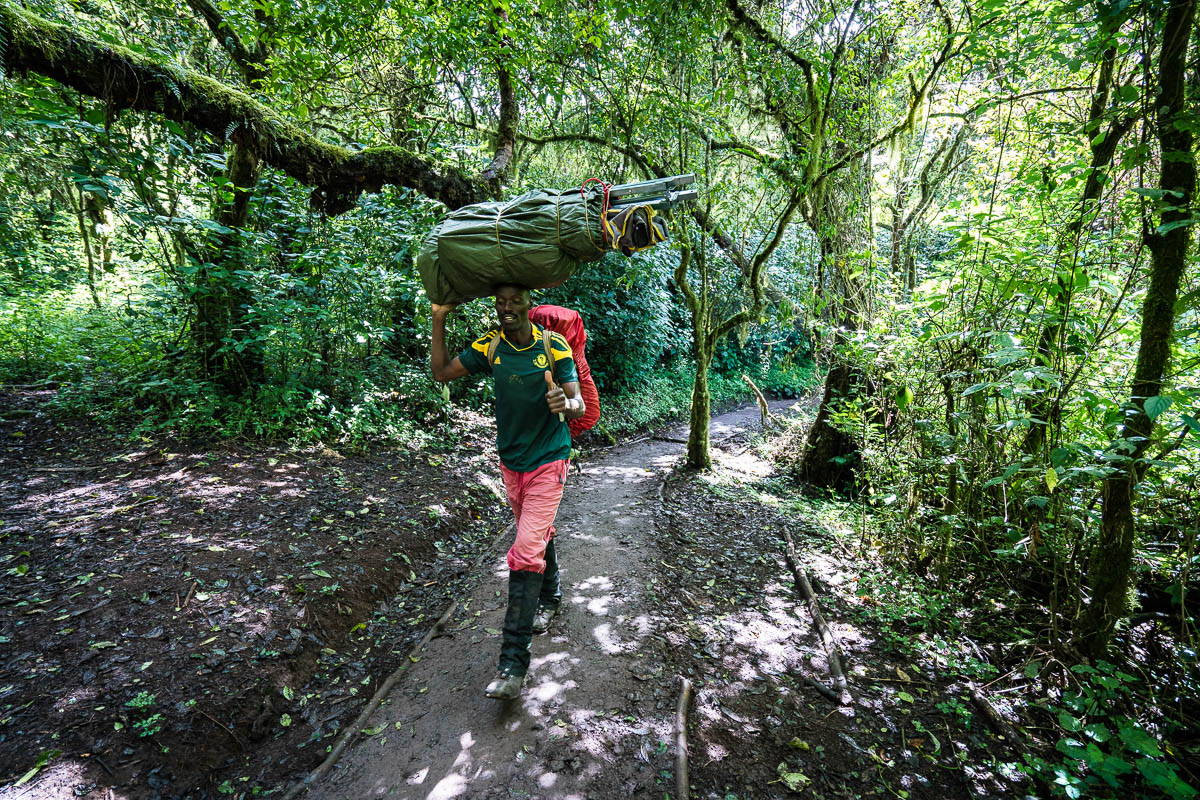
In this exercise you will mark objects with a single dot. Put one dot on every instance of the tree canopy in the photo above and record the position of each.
(973, 222)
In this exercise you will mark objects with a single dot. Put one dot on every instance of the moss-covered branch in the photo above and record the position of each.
(128, 80)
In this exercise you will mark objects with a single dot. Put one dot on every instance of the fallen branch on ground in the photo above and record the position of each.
(814, 610)
(352, 731)
(998, 723)
(822, 689)
(681, 751)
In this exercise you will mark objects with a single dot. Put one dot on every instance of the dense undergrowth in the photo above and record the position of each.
(116, 365)
(1108, 728)
(335, 328)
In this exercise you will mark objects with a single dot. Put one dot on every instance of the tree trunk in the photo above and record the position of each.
(78, 205)
(698, 452)
(1112, 560)
(125, 79)
(223, 330)
(830, 455)
(100, 218)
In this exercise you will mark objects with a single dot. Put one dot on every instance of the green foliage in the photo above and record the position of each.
(1104, 752)
(663, 397)
(633, 322)
(147, 723)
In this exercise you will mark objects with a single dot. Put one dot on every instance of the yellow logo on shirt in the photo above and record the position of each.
(540, 361)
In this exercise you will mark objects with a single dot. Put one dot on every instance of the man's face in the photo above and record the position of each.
(512, 308)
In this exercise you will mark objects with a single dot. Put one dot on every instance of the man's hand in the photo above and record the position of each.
(556, 398)
(444, 368)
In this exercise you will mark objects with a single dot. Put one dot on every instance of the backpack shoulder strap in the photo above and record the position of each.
(549, 354)
(493, 346)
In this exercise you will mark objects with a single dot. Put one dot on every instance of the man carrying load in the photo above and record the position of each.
(537, 390)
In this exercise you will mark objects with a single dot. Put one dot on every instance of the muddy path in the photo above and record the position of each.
(590, 723)
(670, 574)
(206, 621)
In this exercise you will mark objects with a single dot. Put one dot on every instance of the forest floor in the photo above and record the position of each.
(203, 622)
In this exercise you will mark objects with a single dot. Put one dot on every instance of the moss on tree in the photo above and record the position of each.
(125, 79)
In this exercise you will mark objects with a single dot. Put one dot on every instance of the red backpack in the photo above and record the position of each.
(569, 324)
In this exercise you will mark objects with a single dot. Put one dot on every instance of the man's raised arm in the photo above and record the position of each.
(444, 368)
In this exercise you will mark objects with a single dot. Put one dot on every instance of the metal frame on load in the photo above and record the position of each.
(659, 194)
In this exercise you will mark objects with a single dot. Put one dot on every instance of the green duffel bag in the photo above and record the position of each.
(536, 240)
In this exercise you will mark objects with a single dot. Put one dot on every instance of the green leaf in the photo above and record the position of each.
(1187, 301)
(1068, 722)
(44, 759)
(320, 573)
(904, 398)
(905, 696)
(1163, 776)
(1167, 227)
(1051, 478)
(794, 781)
(1156, 194)
(1157, 405)
(1137, 739)
(1072, 748)
(285, 720)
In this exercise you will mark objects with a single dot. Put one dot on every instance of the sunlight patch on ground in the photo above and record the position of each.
(449, 787)
(618, 474)
(608, 641)
(76, 696)
(61, 779)
(604, 541)
(743, 465)
(457, 782)
(544, 692)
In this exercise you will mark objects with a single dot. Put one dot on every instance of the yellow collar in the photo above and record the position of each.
(537, 337)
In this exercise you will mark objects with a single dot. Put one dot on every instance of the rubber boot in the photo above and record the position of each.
(523, 590)
(551, 594)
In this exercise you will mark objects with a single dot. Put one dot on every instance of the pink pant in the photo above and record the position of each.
(534, 497)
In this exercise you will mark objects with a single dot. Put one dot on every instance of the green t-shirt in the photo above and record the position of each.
(527, 434)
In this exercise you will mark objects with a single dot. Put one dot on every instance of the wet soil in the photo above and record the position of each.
(181, 621)
(666, 575)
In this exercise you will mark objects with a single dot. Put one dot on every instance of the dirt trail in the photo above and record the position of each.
(586, 725)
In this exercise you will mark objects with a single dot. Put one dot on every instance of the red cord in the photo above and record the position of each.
(603, 206)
